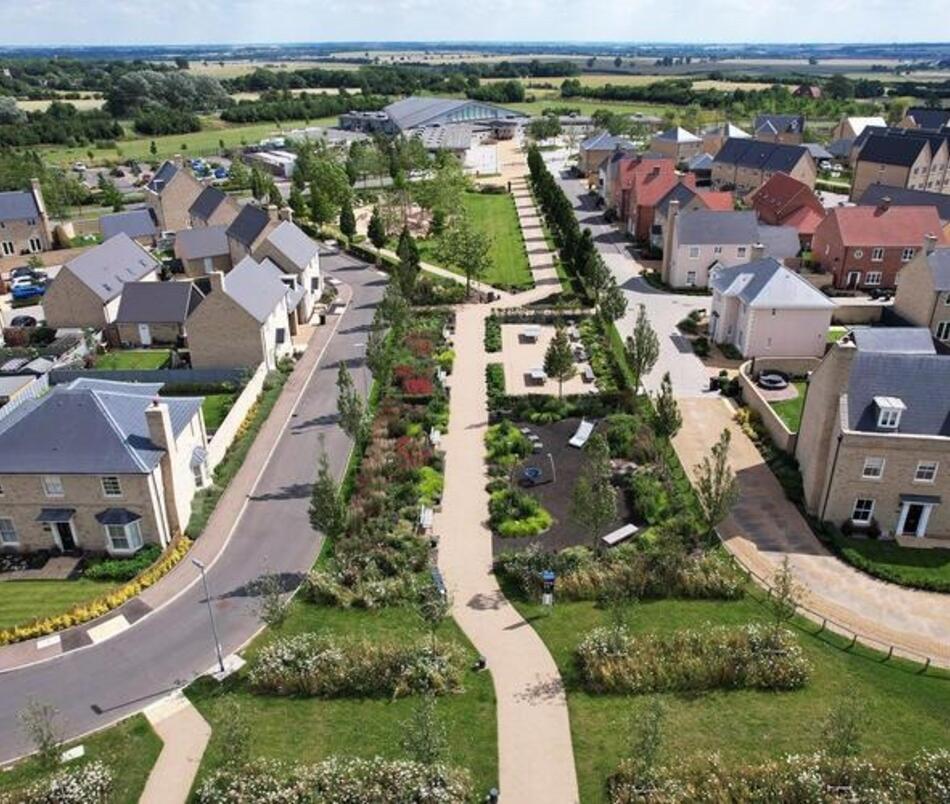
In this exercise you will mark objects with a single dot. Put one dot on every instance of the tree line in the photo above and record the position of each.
(276, 106)
(60, 124)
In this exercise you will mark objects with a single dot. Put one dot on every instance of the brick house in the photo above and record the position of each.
(677, 144)
(248, 230)
(874, 432)
(595, 149)
(785, 201)
(744, 165)
(714, 137)
(24, 222)
(865, 247)
(688, 199)
(154, 313)
(780, 128)
(100, 466)
(925, 118)
(902, 197)
(923, 291)
(298, 257)
(644, 184)
(170, 194)
(213, 208)
(909, 158)
(139, 224)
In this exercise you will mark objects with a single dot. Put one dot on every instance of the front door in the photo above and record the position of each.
(854, 279)
(145, 335)
(64, 530)
(912, 522)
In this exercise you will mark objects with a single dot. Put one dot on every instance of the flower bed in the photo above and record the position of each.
(515, 514)
(83, 784)
(754, 656)
(337, 781)
(320, 666)
(492, 334)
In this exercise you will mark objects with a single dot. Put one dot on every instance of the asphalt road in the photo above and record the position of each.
(96, 686)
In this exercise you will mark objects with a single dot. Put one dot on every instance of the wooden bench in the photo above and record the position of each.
(619, 535)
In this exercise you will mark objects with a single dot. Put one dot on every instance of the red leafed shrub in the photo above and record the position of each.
(412, 453)
(402, 372)
(419, 345)
(417, 386)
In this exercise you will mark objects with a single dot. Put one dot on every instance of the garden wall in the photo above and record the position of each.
(186, 376)
(858, 311)
(781, 436)
(228, 429)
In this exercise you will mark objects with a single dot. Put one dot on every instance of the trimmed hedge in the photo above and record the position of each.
(123, 569)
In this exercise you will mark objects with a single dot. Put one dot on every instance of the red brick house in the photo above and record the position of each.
(644, 185)
(785, 201)
(865, 247)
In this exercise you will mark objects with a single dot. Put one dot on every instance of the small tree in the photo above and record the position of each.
(327, 509)
(668, 416)
(784, 596)
(273, 196)
(235, 732)
(841, 730)
(643, 347)
(716, 486)
(377, 230)
(594, 503)
(153, 148)
(39, 722)
(272, 607)
(347, 219)
(559, 359)
(297, 202)
(424, 736)
(350, 405)
(646, 741)
(432, 606)
(321, 207)
(466, 248)
(408, 269)
(378, 354)
(613, 304)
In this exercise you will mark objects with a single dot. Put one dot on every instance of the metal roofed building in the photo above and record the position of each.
(417, 112)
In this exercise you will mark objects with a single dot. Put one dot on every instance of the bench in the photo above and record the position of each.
(619, 535)
(537, 375)
(584, 429)
(426, 516)
(531, 333)
(588, 374)
(435, 437)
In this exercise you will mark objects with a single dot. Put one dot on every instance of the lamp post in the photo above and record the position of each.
(214, 629)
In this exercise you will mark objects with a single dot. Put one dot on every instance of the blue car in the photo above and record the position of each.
(220, 173)
(28, 291)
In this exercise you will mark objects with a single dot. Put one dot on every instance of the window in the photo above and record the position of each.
(690, 279)
(124, 538)
(7, 247)
(889, 419)
(717, 250)
(858, 253)
(863, 510)
(111, 486)
(872, 278)
(53, 486)
(740, 251)
(694, 252)
(281, 335)
(36, 244)
(943, 331)
(873, 468)
(8, 531)
(926, 472)
(199, 472)
(908, 254)
(314, 284)
(877, 254)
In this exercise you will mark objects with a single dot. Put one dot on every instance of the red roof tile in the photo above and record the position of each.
(782, 195)
(719, 200)
(890, 226)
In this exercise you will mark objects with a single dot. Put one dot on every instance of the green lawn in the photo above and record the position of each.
(215, 408)
(311, 729)
(129, 749)
(141, 359)
(790, 410)
(496, 216)
(23, 601)
(904, 565)
(906, 711)
(835, 334)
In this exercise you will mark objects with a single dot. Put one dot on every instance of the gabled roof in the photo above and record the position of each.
(770, 156)
(929, 118)
(105, 268)
(721, 200)
(780, 242)
(88, 427)
(938, 261)
(255, 288)
(781, 195)
(779, 123)
(904, 197)
(163, 176)
(134, 223)
(18, 205)
(880, 226)
(679, 192)
(707, 227)
(725, 130)
(892, 150)
(701, 161)
(767, 283)
(898, 340)
(292, 243)
(605, 141)
(818, 151)
(206, 241)
(208, 200)
(677, 134)
(858, 124)
(248, 225)
(157, 302)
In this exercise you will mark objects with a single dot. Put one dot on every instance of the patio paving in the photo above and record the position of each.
(520, 357)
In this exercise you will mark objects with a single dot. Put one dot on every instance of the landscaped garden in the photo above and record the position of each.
(790, 410)
(134, 359)
(24, 601)
(923, 568)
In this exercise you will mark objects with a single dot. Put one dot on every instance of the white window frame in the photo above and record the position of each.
(877, 254)
(36, 245)
(53, 486)
(929, 467)
(8, 248)
(6, 531)
(131, 533)
(873, 463)
(889, 419)
(908, 254)
(869, 512)
(200, 475)
(106, 481)
(943, 331)
(741, 251)
(873, 278)
(693, 252)
(690, 279)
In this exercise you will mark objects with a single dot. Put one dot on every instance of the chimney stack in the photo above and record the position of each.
(160, 432)
(286, 214)
(758, 251)
(930, 242)
(216, 281)
(271, 210)
(884, 204)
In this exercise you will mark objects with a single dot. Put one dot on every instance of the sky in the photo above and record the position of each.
(123, 22)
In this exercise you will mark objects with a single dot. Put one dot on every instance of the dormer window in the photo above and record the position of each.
(889, 410)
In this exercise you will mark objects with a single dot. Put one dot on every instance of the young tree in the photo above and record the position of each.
(841, 730)
(239, 178)
(321, 208)
(784, 596)
(668, 416)
(716, 486)
(153, 148)
(594, 503)
(327, 509)
(350, 406)
(109, 193)
(376, 231)
(424, 736)
(559, 359)
(259, 183)
(408, 270)
(613, 304)
(235, 732)
(39, 722)
(466, 248)
(643, 348)
(273, 195)
(272, 606)
(378, 354)
(646, 741)
(347, 219)
(297, 202)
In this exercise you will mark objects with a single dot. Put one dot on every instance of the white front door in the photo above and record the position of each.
(145, 335)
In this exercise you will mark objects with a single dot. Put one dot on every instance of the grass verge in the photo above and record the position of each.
(25, 601)
(907, 566)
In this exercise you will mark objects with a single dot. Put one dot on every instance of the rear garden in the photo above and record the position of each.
(134, 359)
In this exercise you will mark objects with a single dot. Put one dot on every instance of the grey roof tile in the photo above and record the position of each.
(157, 302)
(290, 240)
(939, 262)
(900, 340)
(134, 223)
(206, 203)
(710, 227)
(248, 225)
(767, 283)
(256, 287)
(18, 205)
(162, 176)
(205, 241)
(905, 197)
(108, 266)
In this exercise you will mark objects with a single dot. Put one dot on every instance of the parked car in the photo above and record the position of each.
(24, 272)
(79, 167)
(221, 173)
(22, 321)
(27, 291)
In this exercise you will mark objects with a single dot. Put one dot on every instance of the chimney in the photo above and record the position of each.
(758, 251)
(37, 192)
(216, 281)
(884, 204)
(286, 214)
(160, 433)
(668, 236)
(271, 211)
(930, 243)
(178, 161)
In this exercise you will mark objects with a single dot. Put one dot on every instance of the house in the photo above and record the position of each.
(850, 128)
(138, 224)
(616, 175)
(923, 291)
(763, 309)
(213, 207)
(784, 201)
(785, 128)
(744, 165)
(170, 194)
(677, 144)
(902, 197)
(87, 290)
(807, 91)
(921, 117)
(865, 247)
(688, 199)
(874, 432)
(714, 137)
(643, 184)
(701, 167)
(246, 232)
(100, 467)
(24, 222)
(204, 250)
(154, 313)
(910, 158)
(594, 150)
(242, 321)
(298, 257)
(15, 389)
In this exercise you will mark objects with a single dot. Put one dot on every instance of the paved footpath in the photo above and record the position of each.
(185, 734)
(536, 759)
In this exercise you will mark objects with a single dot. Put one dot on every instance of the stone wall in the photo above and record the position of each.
(225, 434)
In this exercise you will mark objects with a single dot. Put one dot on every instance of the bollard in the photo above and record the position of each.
(854, 641)
(925, 667)
(890, 653)
(492, 797)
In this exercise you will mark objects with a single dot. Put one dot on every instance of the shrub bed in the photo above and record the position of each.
(516, 514)
(321, 666)
(754, 656)
(337, 780)
(83, 784)
(492, 334)
(122, 569)
(495, 381)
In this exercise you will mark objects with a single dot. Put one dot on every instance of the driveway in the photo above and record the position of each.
(95, 686)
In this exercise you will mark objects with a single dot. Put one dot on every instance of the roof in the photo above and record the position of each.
(891, 150)
(248, 224)
(929, 118)
(105, 268)
(903, 197)
(256, 287)
(841, 148)
(938, 261)
(890, 226)
(17, 205)
(157, 302)
(781, 195)
(134, 223)
(771, 156)
(779, 123)
(678, 192)
(701, 161)
(418, 111)
(677, 134)
(163, 176)
(11, 385)
(780, 242)
(290, 240)
(709, 227)
(818, 151)
(725, 130)
(899, 340)
(605, 141)
(721, 200)
(858, 124)
(88, 427)
(206, 241)
(208, 200)
(767, 283)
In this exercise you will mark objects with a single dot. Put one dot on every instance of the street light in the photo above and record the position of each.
(214, 629)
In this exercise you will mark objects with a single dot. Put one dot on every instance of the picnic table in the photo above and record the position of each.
(531, 332)
(537, 375)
